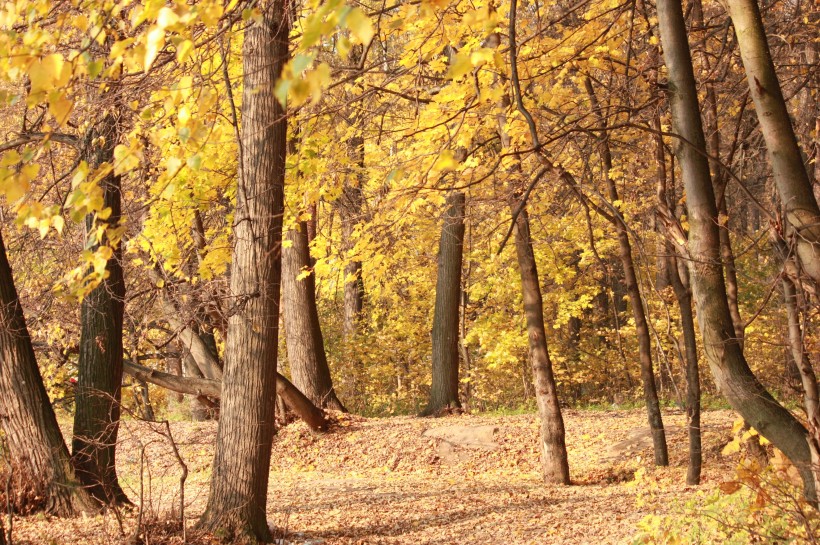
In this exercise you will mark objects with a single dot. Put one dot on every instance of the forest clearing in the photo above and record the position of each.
(460, 479)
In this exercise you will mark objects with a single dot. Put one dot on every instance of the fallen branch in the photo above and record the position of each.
(293, 398)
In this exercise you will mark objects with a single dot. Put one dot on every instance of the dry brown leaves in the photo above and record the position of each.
(457, 479)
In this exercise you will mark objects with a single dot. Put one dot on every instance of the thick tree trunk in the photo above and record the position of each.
(790, 176)
(555, 464)
(35, 444)
(729, 367)
(99, 381)
(239, 483)
(296, 400)
(653, 407)
(306, 347)
(444, 388)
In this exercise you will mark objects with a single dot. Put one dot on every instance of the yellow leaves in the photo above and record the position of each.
(47, 73)
(460, 65)
(446, 161)
(154, 42)
(360, 26)
(184, 49)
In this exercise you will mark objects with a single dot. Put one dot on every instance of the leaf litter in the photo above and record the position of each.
(462, 479)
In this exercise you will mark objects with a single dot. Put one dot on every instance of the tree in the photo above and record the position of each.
(99, 382)
(444, 388)
(802, 213)
(553, 448)
(239, 484)
(732, 374)
(303, 333)
(36, 445)
(653, 408)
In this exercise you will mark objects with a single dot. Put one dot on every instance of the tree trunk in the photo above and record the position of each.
(35, 444)
(653, 407)
(729, 367)
(239, 483)
(801, 210)
(306, 347)
(811, 396)
(679, 280)
(555, 464)
(99, 381)
(444, 388)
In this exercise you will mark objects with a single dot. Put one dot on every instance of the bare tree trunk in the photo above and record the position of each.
(35, 443)
(444, 389)
(303, 333)
(239, 483)
(99, 382)
(653, 407)
(790, 176)
(555, 464)
(729, 367)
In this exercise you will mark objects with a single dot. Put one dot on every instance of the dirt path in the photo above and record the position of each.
(460, 480)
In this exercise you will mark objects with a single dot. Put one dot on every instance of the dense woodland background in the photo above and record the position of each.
(420, 207)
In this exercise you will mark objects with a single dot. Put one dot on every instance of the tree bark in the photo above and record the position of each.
(99, 380)
(555, 465)
(653, 407)
(790, 176)
(303, 333)
(239, 483)
(729, 367)
(35, 443)
(444, 388)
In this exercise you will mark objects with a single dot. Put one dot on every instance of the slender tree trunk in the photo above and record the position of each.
(99, 382)
(729, 367)
(790, 176)
(239, 483)
(35, 443)
(444, 389)
(811, 396)
(555, 465)
(306, 348)
(653, 407)
(679, 280)
(350, 211)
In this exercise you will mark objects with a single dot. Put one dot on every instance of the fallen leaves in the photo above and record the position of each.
(405, 480)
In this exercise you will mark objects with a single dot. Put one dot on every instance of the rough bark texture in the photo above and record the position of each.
(729, 367)
(653, 407)
(444, 388)
(35, 443)
(306, 347)
(296, 400)
(790, 175)
(99, 379)
(239, 483)
(553, 447)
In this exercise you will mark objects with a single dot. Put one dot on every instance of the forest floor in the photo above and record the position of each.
(464, 479)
